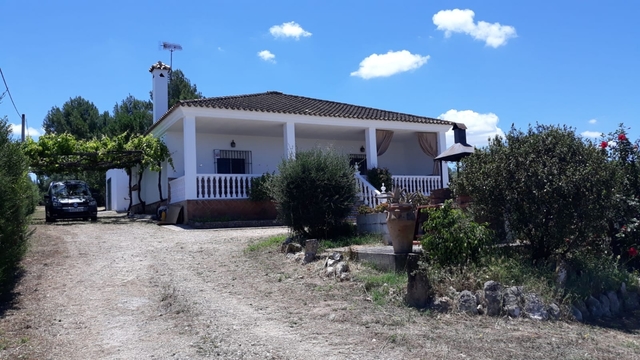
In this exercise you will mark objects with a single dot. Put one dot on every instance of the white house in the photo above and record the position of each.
(218, 144)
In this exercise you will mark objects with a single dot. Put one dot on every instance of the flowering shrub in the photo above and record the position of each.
(624, 227)
(551, 186)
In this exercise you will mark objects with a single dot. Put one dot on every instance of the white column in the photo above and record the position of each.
(289, 140)
(442, 146)
(371, 147)
(190, 169)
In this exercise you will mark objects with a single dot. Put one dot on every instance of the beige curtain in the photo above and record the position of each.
(383, 139)
(429, 145)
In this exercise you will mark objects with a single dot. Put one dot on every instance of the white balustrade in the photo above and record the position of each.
(416, 183)
(368, 194)
(223, 186)
(177, 190)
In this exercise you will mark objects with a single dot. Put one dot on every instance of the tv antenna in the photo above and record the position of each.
(171, 47)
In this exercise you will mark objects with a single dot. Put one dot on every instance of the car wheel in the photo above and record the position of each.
(49, 219)
(94, 218)
(85, 219)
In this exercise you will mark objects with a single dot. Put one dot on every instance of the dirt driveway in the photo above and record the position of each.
(122, 289)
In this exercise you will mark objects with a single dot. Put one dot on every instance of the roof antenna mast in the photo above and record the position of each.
(171, 47)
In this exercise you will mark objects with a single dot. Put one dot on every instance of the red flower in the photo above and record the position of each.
(604, 145)
(622, 137)
(633, 252)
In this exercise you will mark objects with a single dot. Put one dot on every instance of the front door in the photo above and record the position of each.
(359, 161)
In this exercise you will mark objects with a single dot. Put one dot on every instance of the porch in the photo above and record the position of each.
(238, 186)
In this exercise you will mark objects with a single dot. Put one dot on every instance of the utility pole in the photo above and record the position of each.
(24, 124)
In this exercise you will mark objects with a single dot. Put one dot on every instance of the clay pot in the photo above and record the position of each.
(401, 222)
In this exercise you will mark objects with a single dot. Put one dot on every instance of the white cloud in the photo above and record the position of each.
(591, 134)
(290, 29)
(266, 55)
(461, 21)
(220, 49)
(593, 121)
(389, 64)
(17, 131)
(480, 127)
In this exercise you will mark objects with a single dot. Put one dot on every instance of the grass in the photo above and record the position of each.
(366, 239)
(263, 244)
(382, 287)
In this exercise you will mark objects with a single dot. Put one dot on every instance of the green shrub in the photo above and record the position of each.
(594, 273)
(17, 202)
(260, 188)
(552, 187)
(314, 192)
(451, 238)
(378, 176)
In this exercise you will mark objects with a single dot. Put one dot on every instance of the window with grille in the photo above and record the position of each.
(232, 161)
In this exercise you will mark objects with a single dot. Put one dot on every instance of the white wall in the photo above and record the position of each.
(266, 152)
(119, 189)
(406, 158)
(175, 142)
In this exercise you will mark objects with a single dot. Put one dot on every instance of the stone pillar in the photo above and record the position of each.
(371, 147)
(418, 288)
(190, 168)
(310, 250)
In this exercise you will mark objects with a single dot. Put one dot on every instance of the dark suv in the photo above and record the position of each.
(70, 199)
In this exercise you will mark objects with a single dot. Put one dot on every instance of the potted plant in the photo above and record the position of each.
(401, 221)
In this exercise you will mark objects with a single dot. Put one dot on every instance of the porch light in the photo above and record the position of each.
(233, 143)
(362, 148)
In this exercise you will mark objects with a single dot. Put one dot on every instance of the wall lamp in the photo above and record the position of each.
(361, 149)
(233, 143)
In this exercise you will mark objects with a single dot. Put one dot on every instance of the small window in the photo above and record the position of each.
(232, 161)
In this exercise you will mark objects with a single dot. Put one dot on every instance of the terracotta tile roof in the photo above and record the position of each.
(277, 102)
(159, 65)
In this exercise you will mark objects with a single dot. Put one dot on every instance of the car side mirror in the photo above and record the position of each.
(47, 197)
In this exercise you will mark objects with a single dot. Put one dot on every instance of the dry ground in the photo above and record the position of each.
(123, 289)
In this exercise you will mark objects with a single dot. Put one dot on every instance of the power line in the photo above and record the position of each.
(9, 92)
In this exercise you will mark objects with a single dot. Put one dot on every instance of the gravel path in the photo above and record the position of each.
(122, 289)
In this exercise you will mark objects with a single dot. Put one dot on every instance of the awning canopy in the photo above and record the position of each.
(456, 152)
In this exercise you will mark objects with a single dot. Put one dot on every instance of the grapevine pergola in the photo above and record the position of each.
(64, 154)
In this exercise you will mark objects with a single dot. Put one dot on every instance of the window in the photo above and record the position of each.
(232, 161)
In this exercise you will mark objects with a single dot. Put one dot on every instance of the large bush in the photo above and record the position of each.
(550, 186)
(260, 188)
(314, 192)
(17, 202)
(624, 223)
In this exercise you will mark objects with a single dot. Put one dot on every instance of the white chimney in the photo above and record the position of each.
(160, 88)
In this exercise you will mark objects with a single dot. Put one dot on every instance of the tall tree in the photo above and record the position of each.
(131, 116)
(78, 116)
(180, 88)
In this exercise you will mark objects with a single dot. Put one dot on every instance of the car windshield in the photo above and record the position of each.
(70, 190)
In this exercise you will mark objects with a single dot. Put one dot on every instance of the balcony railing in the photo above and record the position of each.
(223, 186)
(417, 183)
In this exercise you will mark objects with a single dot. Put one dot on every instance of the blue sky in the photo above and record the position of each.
(488, 63)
